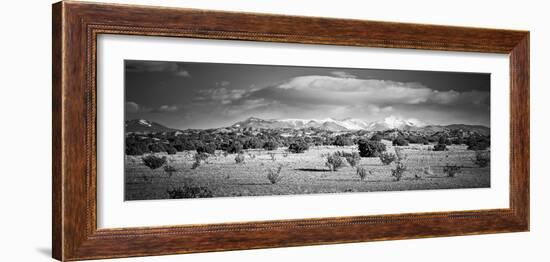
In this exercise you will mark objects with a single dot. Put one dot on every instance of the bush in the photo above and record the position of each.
(399, 170)
(399, 153)
(135, 149)
(353, 159)
(272, 156)
(370, 148)
(334, 162)
(209, 148)
(171, 150)
(387, 158)
(270, 145)
(342, 141)
(274, 176)
(400, 141)
(253, 143)
(156, 148)
(478, 143)
(198, 158)
(361, 172)
(417, 140)
(458, 141)
(239, 158)
(443, 140)
(483, 158)
(376, 137)
(153, 162)
(451, 170)
(189, 192)
(440, 147)
(170, 170)
(298, 147)
(235, 147)
(183, 145)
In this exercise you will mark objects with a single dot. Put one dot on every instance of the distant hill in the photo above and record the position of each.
(350, 124)
(145, 126)
(330, 124)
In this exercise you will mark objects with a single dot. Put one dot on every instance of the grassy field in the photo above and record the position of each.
(303, 173)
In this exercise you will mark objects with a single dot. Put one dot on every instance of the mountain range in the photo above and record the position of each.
(145, 126)
(328, 124)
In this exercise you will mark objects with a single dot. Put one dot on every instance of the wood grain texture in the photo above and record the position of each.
(76, 27)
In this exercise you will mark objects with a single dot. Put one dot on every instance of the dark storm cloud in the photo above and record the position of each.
(221, 94)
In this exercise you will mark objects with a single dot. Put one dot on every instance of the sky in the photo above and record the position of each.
(187, 95)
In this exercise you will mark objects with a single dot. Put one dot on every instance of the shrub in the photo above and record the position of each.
(253, 143)
(135, 150)
(209, 148)
(235, 147)
(483, 158)
(170, 170)
(370, 148)
(198, 158)
(443, 140)
(387, 158)
(271, 145)
(432, 138)
(272, 156)
(156, 148)
(361, 172)
(153, 162)
(239, 158)
(352, 158)
(400, 141)
(184, 144)
(451, 170)
(334, 162)
(417, 140)
(298, 147)
(171, 150)
(189, 192)
(342, 141)
(376, 137)
(478, 143)
(440, 147)
(399, 153)
(399, 170)
(458, 141)
(274, 176)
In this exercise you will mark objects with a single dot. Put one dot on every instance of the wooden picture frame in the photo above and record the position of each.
(76, 26)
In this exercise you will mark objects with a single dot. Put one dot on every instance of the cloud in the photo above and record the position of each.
(131, 107)
(222, 83)
(342, 74)
(330, 90)
(222, 95)
(183, 73)
(175, 68)
(167, 108)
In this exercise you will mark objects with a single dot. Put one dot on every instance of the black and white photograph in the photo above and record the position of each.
(203, 130)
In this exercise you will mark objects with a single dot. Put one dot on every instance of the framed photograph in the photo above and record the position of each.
(181, 130)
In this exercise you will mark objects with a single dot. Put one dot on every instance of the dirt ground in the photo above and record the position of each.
(304, 173)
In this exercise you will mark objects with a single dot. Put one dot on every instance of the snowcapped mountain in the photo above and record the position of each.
(348, 124)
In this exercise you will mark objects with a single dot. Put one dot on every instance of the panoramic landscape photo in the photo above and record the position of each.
(202, 130)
